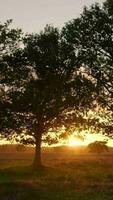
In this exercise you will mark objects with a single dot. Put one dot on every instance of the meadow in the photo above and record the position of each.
(69, 174)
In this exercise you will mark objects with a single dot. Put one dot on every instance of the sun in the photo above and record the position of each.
(74, 142)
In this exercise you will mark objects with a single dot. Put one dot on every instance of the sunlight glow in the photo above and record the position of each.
(75, 142)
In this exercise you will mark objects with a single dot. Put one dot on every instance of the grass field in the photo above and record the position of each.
(70, 174)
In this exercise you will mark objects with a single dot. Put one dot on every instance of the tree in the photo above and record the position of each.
(98, 147)
(91, 37)
(9, 43)
(43, 84)
(10, 76)
(20, 148)
(92, 33)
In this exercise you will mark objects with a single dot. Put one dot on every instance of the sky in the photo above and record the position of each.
(33, 15)
(89, 138)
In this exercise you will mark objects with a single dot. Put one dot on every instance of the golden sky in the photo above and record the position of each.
(89, 138)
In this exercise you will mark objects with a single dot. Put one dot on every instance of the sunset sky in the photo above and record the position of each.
(89, 138)
(33, 15)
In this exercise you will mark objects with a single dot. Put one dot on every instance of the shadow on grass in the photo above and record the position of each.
(21, 191)
(26, 183)
(47, 183)
(47, 176)
(25, 172)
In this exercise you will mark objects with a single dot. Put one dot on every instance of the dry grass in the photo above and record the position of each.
(70, 174)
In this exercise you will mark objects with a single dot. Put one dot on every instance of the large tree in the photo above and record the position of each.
(55, 77)
(43, 84)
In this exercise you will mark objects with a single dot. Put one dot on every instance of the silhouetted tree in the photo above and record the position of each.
(54, 74)
(42, 84)
(91, 37)
(13, 74)
(9, 43)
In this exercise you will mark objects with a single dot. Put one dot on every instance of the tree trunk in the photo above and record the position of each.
(37, 157)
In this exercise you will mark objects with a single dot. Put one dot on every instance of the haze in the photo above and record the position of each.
(33, 15)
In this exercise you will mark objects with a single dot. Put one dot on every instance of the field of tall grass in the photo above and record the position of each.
(69, 174)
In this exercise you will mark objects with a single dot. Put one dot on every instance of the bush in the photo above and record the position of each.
(98, 147)
(20, 147)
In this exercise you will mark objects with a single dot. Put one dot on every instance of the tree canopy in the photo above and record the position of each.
(41, 85)
(91, 36)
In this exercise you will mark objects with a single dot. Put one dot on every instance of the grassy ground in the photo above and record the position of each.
(67, 175)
